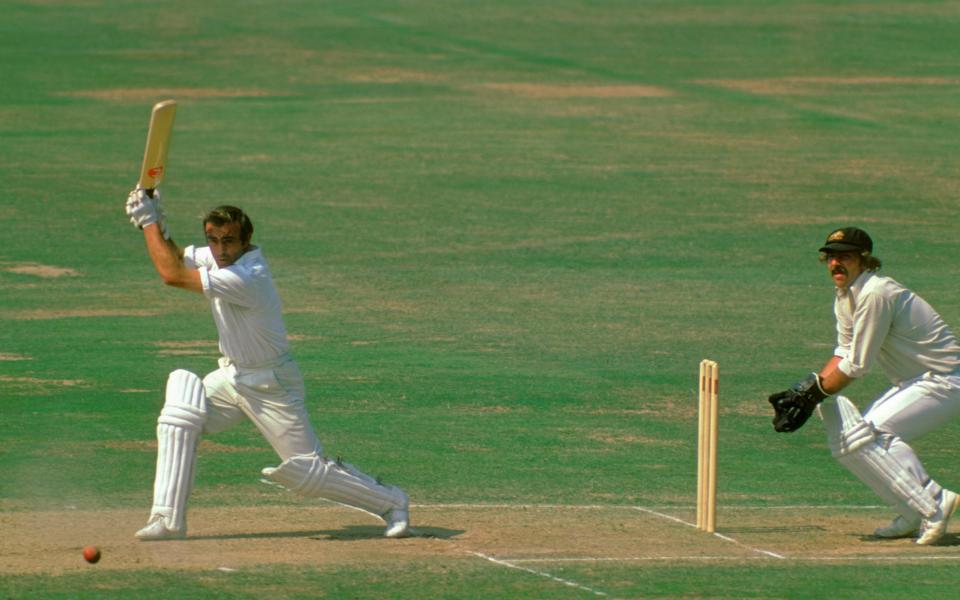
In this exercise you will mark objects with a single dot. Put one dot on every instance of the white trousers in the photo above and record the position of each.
(271, 397)
(906, 412)
(916, 407)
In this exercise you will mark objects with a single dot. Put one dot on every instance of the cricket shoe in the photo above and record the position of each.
(398, 523)
(934, 527)
(398, 519)
(900, 527)
(157, 530)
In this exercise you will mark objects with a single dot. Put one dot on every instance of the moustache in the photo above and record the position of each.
(838, 271)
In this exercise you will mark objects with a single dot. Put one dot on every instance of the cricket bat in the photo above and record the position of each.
(158, 142)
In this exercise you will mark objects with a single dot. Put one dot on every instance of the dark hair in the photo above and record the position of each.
(871, 262)
(226, 214)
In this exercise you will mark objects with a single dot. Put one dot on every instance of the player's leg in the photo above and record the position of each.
(314, 475)
(223, 409)
(178, 432)
(275, 403)
(274, 400)
(855, 444)
(906, 413)
(912, 410)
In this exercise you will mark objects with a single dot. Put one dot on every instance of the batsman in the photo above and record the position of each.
(880, 322)
(257, 379)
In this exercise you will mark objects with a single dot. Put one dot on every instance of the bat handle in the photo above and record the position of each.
(149, 192)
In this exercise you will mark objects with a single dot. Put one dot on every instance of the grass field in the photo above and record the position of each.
(505, 234)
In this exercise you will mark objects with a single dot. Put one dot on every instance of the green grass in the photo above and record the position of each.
(501, 253)
(449, 579)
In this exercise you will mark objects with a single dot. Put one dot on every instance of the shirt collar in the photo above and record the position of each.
(251, 255)
(853, 290)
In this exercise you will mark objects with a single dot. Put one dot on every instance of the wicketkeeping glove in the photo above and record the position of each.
(793, 407)
(144, 210)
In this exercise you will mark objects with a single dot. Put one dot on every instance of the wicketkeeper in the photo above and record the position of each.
(881, 322)
(257, 379)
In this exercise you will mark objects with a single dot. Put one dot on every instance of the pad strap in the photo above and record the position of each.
(847, 431)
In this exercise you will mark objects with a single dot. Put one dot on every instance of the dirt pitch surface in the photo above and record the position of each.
(530, 538)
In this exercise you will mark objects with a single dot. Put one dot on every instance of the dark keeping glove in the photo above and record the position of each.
(793, 407)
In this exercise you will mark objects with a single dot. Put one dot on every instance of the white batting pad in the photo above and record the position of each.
(855, 445)
(847, 432)
(178, 433)
(313, 475)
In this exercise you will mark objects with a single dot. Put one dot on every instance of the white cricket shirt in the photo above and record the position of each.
(245, 306)
(880, 320)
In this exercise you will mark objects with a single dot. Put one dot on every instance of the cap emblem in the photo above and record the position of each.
(836, 236)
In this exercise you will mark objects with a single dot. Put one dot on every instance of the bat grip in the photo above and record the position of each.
(149, 192)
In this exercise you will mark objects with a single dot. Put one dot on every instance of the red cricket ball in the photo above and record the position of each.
(91, 554)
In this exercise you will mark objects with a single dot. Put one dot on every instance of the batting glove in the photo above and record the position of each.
(144, 210)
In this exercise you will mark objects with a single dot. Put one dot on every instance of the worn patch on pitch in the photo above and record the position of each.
(392, 75)
(618, 439)
(533, 90)
(830, 220)
(188, 348)
(151, 94)
(38, 270)
(27, 386)
(796, 86)
(206, 446)
(77, 313)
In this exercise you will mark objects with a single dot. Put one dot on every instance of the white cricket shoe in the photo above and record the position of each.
(157, 530)
(900, 527)
(398, 519)
(398, 523)
(934, 527)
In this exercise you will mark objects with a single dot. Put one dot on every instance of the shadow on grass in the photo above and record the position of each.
(348, 533)
(773, 529)
(948, 539)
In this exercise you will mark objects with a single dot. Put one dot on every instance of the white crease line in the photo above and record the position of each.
(527, 506)
(664, 516)
(614, 559)
(511, 565)
(634, 507)
(876, 558)
(803, 507)
(718, 535)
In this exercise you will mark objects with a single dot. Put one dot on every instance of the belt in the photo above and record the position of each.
(272, 363)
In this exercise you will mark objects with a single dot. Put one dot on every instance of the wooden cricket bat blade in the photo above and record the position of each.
(158, 143)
